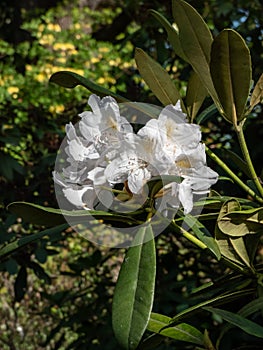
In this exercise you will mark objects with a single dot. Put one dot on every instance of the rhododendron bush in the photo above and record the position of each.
(129, 172)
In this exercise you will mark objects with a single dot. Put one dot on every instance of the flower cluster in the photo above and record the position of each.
(105, 151)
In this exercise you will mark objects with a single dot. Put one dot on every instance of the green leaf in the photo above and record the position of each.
(20, 286)
(46, 216)
(246, 325)
(253, 307)
(70, 80)
(10, 248)
(240, 223)
(195, 95)
(134, 292)
(231, 73)
(238, 161)
(257, 94)
(172, 34)
(240, 248)
(196, 41)
(182, 331)
(157, 78)
(203, 234)
(218, 300)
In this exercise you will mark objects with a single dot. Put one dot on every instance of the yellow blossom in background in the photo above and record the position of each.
(127, 65)
(63, 46)
(47, 39)
(101, 80)
(54, 27)
(62, 60)
(77, 26)
(56, 109)
(29, 67)
(41, 77)
(94, 60)
(104, 49)
(41, 27)
(13, 91)
(77, 71)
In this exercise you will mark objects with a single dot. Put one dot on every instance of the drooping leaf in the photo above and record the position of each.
(20, 286)
(172, 34)
(157, 78)
(10, 248)
(195, 95)
(70, 80)
(196, 40)
(206, 114)
(239, 162)
(246, 325)
(231, 73)
(134, 292)
(239, 246)
(218, 300)
(46, 216)
(257, 94)
(181, 331)
(252, 307)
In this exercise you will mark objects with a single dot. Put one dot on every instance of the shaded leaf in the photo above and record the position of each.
(231, 73)
(134, 292)
(246, 325)
(182, 331)
(11, 247)
(253, 307)
(70, 80)
(172, 34)
(196, 40)
(46, 216)
(218, 300)
(257, 94)
(157, 78)
(238, 161)
(20, 286)
(195, 95)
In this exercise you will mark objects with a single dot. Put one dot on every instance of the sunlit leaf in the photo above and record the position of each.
(203, 234)
(181, 331)
(172, 34)
(134, 292)
(196, 40)
(231, 73)
(195, 95)
(157, 78)
(240, 248)
(246, 325)
(70, 80)
(240, 223)
(257, 94)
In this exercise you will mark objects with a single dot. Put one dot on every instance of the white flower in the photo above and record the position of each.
(135, 163)
(100, 133)
(105, 151)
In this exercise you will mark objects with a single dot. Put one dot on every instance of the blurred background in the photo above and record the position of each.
(56, 293)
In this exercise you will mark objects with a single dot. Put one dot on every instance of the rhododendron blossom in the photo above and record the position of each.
(105, 151)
